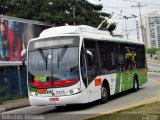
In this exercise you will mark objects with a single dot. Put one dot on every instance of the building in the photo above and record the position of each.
(14, 36)
(151, 27)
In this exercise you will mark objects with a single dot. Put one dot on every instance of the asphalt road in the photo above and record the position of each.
(148, 93)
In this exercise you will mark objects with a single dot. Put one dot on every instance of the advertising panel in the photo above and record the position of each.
(14, 36)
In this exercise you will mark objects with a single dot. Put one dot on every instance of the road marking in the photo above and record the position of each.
(128, 106)
(155, 81)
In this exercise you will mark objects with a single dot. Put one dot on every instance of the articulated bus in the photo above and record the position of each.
(80, 64)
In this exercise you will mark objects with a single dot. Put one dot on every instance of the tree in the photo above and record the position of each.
(58, 12)
(152, 50)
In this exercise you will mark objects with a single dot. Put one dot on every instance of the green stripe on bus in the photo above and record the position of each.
(31, 89)
(118, 77)
(124, 79)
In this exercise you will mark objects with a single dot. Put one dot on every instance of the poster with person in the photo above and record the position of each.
(14, 36)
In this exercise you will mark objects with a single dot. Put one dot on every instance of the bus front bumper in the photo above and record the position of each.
(78, 98)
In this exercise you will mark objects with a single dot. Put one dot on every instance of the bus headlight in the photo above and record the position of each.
(74, 91)
(33, 94)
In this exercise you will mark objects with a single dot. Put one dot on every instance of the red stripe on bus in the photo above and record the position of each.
(58, 83)
(41, 90)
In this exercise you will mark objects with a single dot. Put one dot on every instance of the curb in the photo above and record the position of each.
(157, 62)
(2, 110)
(16, 107)
(14, 104)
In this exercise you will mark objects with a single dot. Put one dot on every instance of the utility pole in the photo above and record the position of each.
(137, 27)
(141, 26)
(126, 18)
(126, 30)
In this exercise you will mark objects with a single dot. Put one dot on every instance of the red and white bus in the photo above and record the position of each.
(80, 64)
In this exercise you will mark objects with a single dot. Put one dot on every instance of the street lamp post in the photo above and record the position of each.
(74, 11)
(74, 14)
(137, 27)
(126, 18)
(139, 7)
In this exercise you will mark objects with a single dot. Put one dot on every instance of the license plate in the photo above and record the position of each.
(53, 99)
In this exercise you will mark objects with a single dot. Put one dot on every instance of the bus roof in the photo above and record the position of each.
(86, 32)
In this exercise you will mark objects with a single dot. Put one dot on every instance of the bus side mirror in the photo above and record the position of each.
(23, 54)
(89, 52)
(90, 56)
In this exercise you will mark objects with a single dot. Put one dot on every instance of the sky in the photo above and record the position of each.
(115, 6)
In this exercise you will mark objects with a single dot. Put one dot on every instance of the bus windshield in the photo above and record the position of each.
(53, 66)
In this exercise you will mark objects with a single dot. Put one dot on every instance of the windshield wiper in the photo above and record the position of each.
(61, 54)
(45, 58)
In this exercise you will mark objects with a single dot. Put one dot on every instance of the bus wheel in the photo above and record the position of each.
(135, 84)
(104, 93)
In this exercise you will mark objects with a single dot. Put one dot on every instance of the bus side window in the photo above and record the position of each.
(127, 57)
(112, 57)
(131, 57)
(140, 56)
(120, 57)
(91, 60)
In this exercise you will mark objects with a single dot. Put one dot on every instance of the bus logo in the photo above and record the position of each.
(50, 91)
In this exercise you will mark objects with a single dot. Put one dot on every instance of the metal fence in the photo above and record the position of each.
(13, 82)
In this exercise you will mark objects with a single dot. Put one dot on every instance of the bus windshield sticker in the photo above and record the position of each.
(40, 79)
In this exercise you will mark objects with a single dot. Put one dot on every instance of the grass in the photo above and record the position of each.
(142, 112)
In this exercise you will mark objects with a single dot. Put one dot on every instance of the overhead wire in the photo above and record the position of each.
(116, 8)
(142, 2)
(119, 8)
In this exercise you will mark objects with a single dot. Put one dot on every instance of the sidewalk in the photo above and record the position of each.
(153, 61)
(14, 104)
(156, 62)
